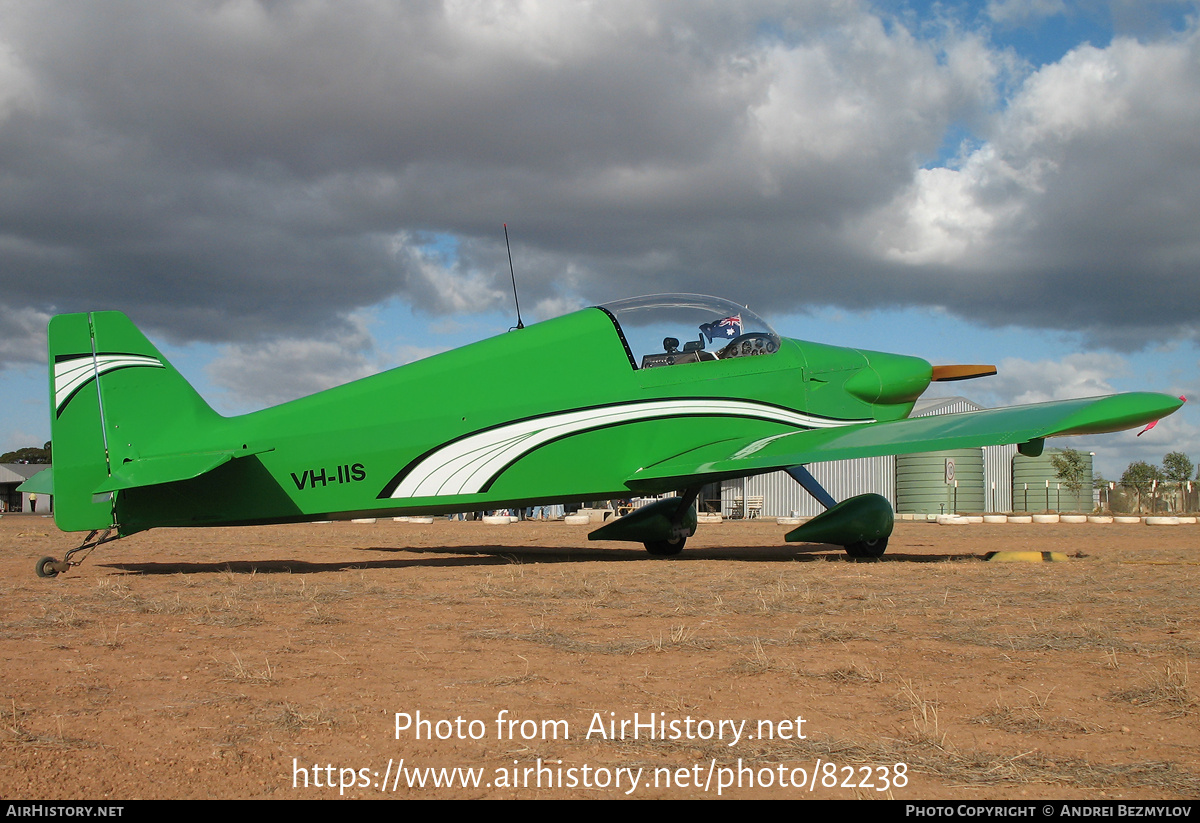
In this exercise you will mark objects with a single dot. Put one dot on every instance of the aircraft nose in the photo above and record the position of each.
(890, 378)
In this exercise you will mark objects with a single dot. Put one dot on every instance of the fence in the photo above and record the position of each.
(1164, 497)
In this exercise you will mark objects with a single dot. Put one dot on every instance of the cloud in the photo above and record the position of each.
(22, 337)
(1080, 212)
(242, 172)
(1075, 375)
(1019, 12)
(257, 375)
(1019, 381)
(238, 170)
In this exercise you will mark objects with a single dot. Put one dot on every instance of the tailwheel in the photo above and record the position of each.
(867, 549)
(49, 567)
(665, 548)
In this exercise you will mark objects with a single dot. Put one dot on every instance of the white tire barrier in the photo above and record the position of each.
(960, 519)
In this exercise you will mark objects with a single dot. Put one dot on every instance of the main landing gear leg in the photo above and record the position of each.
(49, 567)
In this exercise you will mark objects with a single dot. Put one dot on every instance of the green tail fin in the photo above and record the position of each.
(113, 399)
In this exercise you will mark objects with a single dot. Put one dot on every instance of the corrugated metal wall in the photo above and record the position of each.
(783, 496)
(997, 473)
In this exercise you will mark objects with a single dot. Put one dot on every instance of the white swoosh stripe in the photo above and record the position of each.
(466, 466)
(70, 375)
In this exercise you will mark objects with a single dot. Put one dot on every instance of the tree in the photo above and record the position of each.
(1140, 477)
(1071, 469)
(1177, 468)
(29, 454)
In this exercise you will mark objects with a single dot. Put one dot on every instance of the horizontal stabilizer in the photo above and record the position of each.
(40, 483)
(152, 471)
(989, 427)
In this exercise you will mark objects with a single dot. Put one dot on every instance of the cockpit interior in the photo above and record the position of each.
(712, 329)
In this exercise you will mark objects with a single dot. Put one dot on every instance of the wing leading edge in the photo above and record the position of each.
(989, 427)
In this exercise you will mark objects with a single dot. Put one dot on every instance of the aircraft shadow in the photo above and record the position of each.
(505, 555)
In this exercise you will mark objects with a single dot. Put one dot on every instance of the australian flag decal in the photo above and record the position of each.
(726, 328)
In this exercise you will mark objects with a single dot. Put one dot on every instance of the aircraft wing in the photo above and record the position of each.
(989, 427)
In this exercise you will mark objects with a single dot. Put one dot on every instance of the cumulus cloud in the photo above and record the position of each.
(1076, 375)
(240, 172)
(22, 337)
(284, 369)
(237, 170)
(1018, 12)
(1081, 211)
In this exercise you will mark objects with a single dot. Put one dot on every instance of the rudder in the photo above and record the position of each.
(113, 398)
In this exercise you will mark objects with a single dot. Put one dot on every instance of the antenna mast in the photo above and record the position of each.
(516, 300)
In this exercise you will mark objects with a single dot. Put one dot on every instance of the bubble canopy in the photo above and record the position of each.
(673, 329)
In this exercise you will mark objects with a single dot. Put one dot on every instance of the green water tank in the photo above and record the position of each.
(1031, 493)
(921, 486)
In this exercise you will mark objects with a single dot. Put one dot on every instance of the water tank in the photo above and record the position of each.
(1030, 492)
(921, 486)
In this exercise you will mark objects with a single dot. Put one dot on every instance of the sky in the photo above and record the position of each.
(289, 195)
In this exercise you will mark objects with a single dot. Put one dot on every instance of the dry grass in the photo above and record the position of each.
(242, 673)
(854, 673)
(1168, 689)
(196, 674)
(1028, 717)
(925, 725)
(293, 718)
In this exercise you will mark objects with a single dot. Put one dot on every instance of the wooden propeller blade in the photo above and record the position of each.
(945, 374)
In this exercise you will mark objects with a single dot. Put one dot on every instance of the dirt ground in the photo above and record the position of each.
(355, 660)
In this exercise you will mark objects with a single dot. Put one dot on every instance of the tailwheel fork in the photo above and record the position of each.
(51, 567)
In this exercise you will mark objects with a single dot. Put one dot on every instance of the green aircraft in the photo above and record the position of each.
(602, 403)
